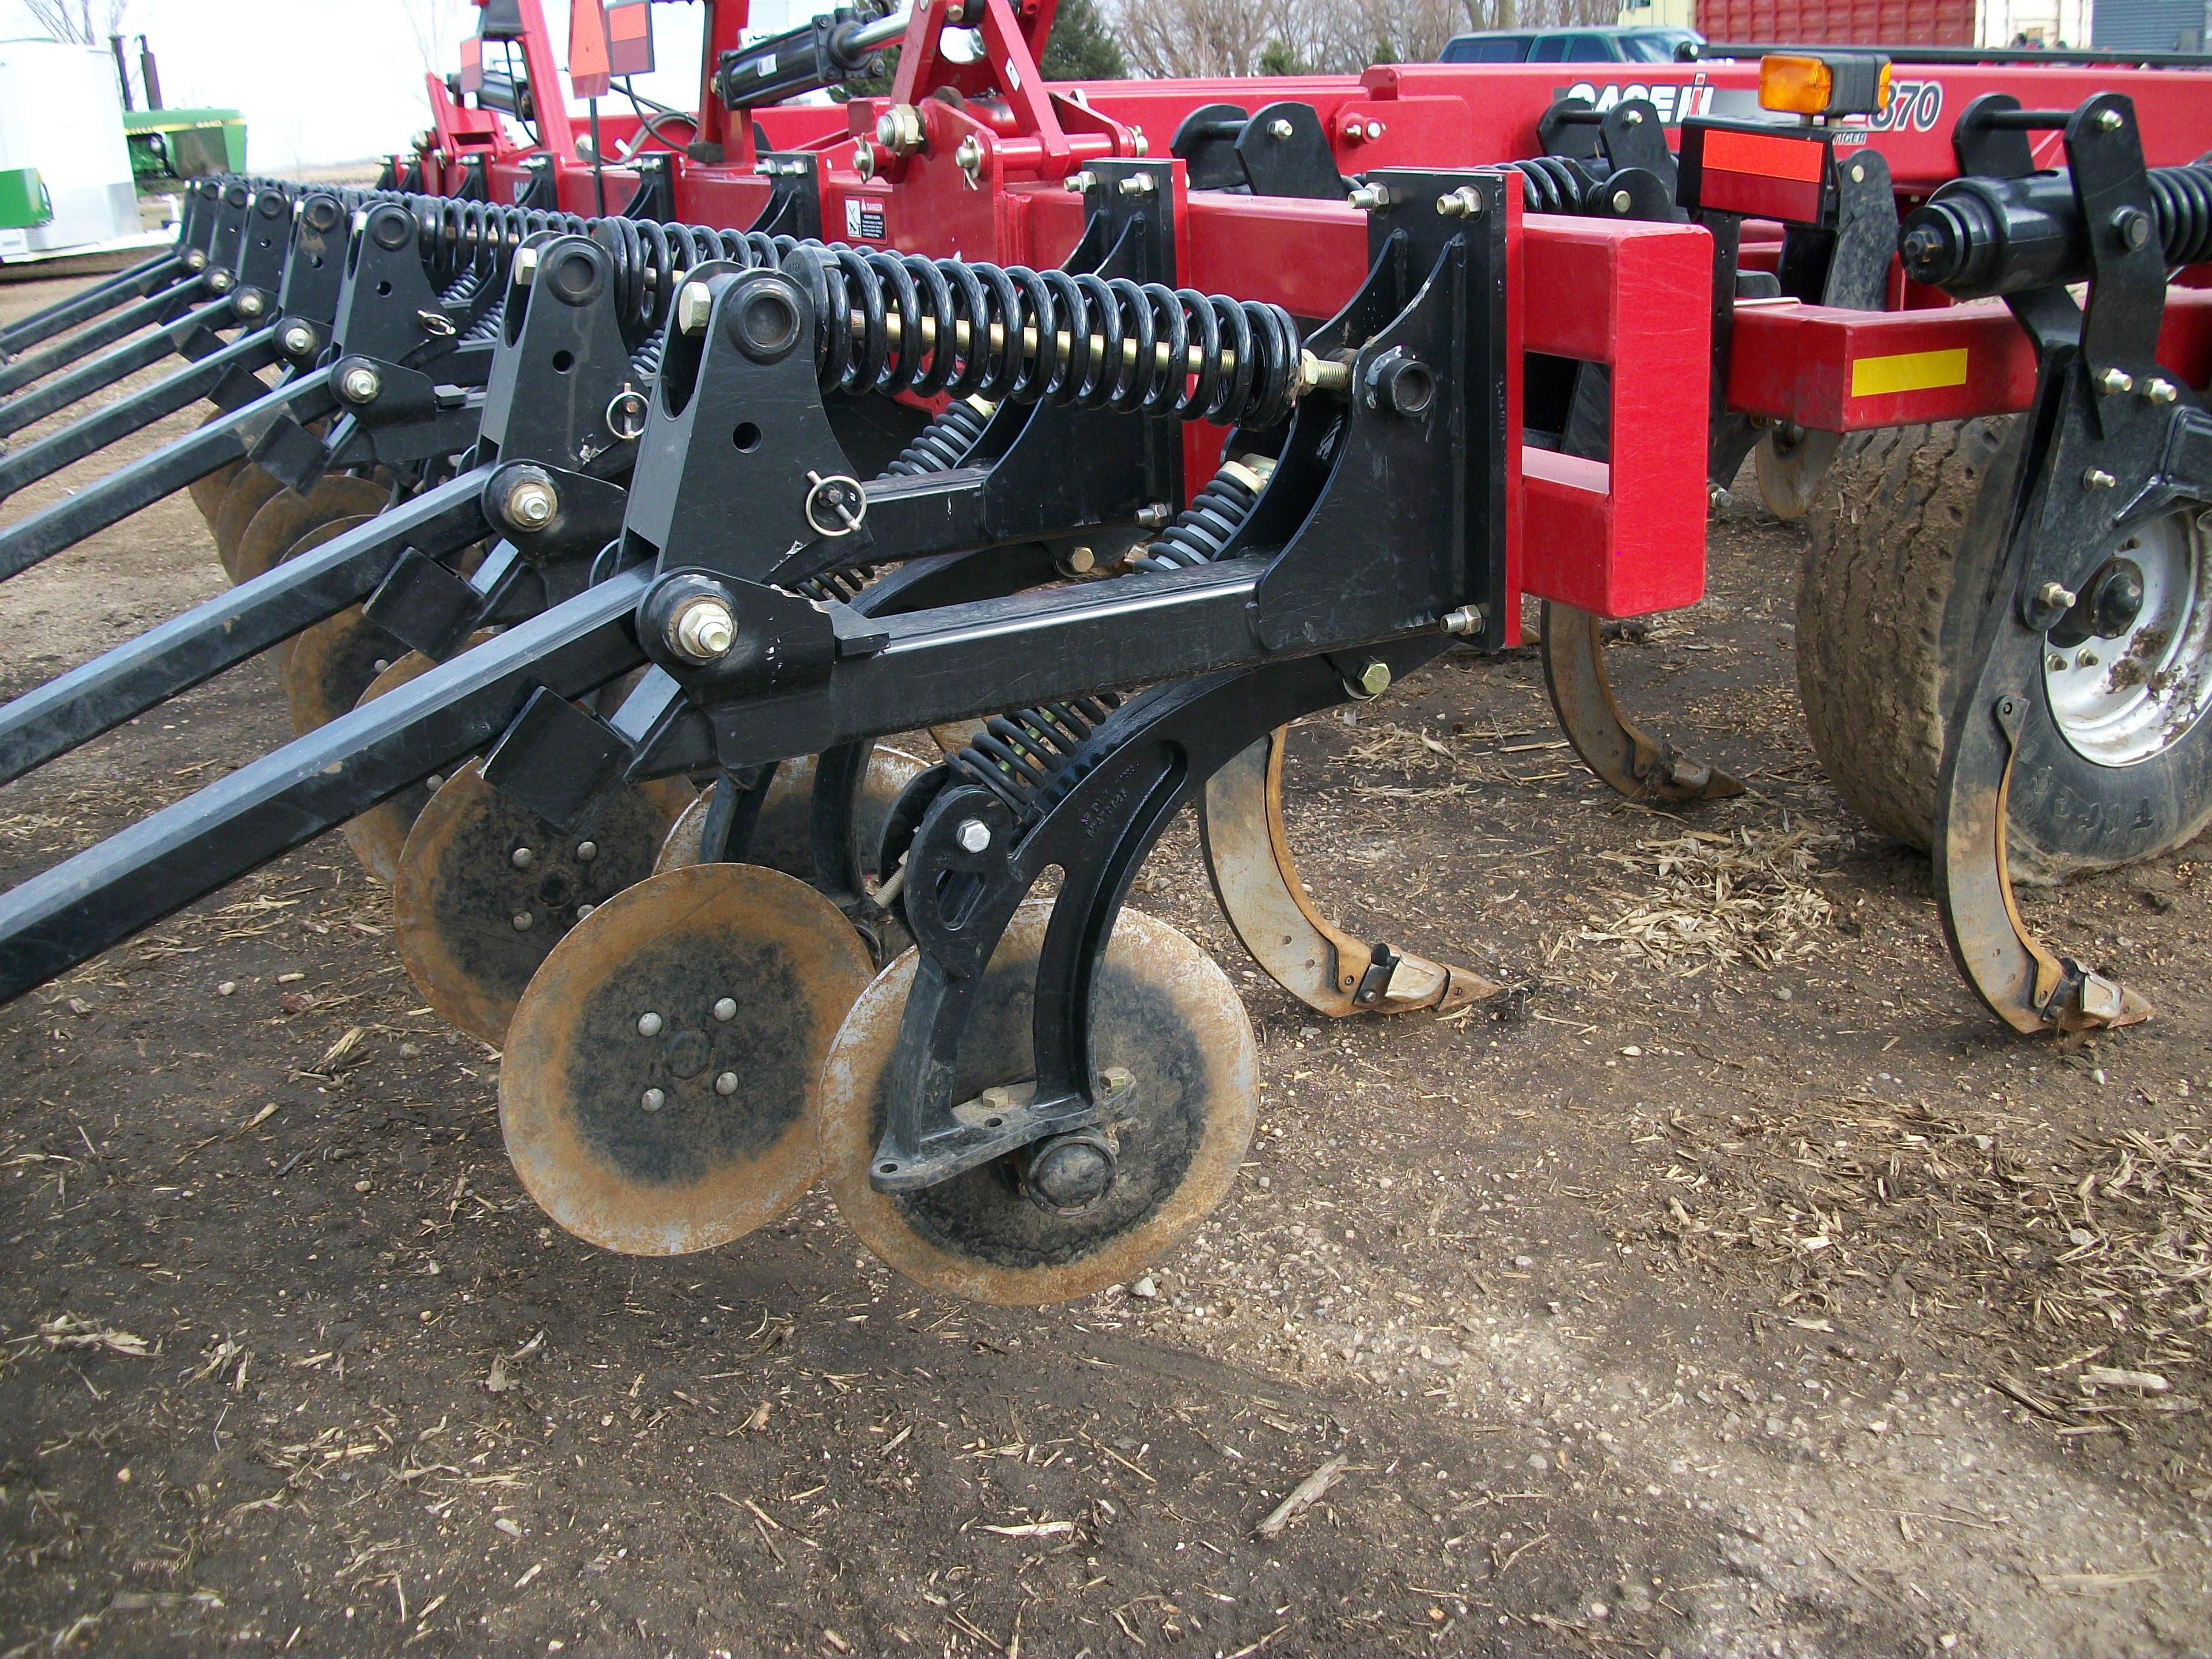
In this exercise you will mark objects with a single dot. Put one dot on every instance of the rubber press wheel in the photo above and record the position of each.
(1163, 1011)
(2115, 763)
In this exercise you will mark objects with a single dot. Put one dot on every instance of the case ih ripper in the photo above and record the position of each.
(630, 538)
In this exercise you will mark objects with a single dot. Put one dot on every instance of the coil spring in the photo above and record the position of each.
(943, 444)
(2184, 199)
(1201, 530)
(1549, 184)
(1027, 757)
(1050, 336)
(1008, 332)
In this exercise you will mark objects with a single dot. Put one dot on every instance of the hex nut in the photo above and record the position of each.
(703, 630)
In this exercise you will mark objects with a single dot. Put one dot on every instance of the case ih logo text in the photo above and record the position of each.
(1673, 102)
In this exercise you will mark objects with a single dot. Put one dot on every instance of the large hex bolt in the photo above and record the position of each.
(529, 501)
(695, 303)
(298, 339)
(899, 130)
(360, 383)
(703, 630)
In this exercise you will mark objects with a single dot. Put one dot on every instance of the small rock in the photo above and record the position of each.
(2082, 1235)
(1539, 1462)
(1599, 1610)
(123, 1475)
(291, 1002)
(1144, 1289)
(1782, 994)
(507, 1527)
(410, 1051)
(1633, 1052)
(362, 1186)
(228, 989)
(2098, 1076)
(1524, 1262)
(1266, 1183)
(79, 1007)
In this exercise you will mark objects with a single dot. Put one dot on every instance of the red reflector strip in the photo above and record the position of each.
(1798, 159)
(1758, 196)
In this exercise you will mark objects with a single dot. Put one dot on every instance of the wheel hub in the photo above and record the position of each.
(2126, 669)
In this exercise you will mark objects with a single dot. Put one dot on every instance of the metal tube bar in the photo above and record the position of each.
(119, 289)
(167, 470)
(64, 915)
(147, 313)
(58, 393)
(180, 653)
(125, 415)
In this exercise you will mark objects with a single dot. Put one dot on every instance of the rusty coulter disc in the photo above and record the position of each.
(1163, 1010)
(379, 834)
(781, 837)
(279, 529)
(329, 667)
(659, 1093)
(207, 491)
(486, 889)
(249, 492)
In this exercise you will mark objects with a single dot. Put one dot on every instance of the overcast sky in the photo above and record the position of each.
(338, 80)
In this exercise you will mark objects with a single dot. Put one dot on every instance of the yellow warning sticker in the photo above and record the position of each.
(1908, 371)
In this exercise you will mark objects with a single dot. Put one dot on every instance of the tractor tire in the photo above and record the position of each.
(2115, 763)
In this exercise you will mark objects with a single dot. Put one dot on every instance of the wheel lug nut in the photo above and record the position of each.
(522, 858)
(523, 922)
(587, 851)
(648, 1024)
(725, 1009)
(974, 836)
(726, 1084)
(654, 1099)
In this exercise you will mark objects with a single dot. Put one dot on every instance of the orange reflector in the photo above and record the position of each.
(1806, 86)
(1795, 86)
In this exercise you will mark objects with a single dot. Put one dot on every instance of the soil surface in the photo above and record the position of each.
(1735, 1287)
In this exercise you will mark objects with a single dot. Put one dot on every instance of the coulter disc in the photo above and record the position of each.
(328, 668)
(207, 491)
(379, 835)
(486, 889)
(781, 836)
(278, 528)
(248, 493)
(659, 1092)
(1163, 1010)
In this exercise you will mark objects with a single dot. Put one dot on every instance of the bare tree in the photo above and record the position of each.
(434, 29)
(79, 20)
(1183, 38)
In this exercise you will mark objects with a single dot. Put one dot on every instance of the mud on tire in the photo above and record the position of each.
(1902, 542)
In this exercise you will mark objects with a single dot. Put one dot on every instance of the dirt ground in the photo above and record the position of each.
(1740, 1289)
